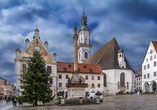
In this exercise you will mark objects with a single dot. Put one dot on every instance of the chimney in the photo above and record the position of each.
(27, 42)
(17, 52)
(55, 56)
(75, 37)
(46, 44)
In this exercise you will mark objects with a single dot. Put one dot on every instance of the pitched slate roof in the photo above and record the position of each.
(106, 56)
(84, 68)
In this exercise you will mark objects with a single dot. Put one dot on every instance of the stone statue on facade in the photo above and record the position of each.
(82, 80)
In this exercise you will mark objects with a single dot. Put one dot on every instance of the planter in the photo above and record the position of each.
(98, 100)
(62, 101)
(81, 100)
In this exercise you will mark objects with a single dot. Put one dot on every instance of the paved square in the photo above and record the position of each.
(120, 102)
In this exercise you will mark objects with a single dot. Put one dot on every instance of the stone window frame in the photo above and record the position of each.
(86, 77)
(148, 66)
(60, 76)
(60, 84)
(151, 58)
(154, 73)
(66, 76)
(49, 69)
(98, 85)
(24, 67)
(122, 79)
(51, 81)
(86, 54)
(148, 76)
(92, 77)
(154, 63)
(105, 80)
(93, 85)
(98, 77)
(144, 67)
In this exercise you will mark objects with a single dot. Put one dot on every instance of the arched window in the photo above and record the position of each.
(104, 80)
(86, 55)
(122, 79)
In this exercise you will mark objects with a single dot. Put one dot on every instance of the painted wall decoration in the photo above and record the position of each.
(36, 47)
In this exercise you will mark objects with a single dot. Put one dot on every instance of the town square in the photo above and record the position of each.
(80, 54)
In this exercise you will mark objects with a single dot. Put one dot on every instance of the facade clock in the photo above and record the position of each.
(37, 48)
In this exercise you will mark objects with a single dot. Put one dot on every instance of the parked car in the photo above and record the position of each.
(94, 96)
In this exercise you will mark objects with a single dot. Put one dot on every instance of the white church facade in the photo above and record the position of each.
(149, 70)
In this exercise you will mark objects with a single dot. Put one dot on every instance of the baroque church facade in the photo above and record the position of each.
(107, 70)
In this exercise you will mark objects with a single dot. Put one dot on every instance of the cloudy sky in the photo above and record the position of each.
(132, 22)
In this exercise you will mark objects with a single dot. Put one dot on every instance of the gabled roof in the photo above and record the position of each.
(21, 52)
(155, 45)
(106, 56)
(84, 68)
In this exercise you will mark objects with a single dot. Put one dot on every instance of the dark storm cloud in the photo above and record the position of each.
(131, 22)
(137, 9)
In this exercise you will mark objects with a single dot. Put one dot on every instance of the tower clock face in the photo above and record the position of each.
(37, 48)
(86, 35)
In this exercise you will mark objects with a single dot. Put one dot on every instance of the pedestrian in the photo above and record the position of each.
(138, 92)
(14, 101)
(131, 92)
(7, 100)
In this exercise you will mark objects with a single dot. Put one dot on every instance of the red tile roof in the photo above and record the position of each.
(84, 68)
(155, 45)
(139, 75)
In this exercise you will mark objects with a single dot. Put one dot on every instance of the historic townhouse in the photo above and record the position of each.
(139, 82)
(1, 87)
(149, 70)
(22, 57)
(91, 72)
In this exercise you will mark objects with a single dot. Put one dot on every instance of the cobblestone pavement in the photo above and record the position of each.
(120, 102)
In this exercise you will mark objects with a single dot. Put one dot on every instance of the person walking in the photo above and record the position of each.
(131, 92)
(14, 101)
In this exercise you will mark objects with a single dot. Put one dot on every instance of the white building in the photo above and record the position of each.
(91, 72)
(118, 74)
(22, 57)
(139, 82)
(149, 77)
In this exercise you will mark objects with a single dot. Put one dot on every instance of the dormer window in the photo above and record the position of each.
(84, 66)
(69, 65)
(91, 70)
(65, 69)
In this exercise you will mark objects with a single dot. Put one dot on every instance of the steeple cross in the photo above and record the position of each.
(83, 10)
(36, 25)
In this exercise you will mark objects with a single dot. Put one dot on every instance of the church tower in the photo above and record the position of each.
(84, 48)
(121, 61)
